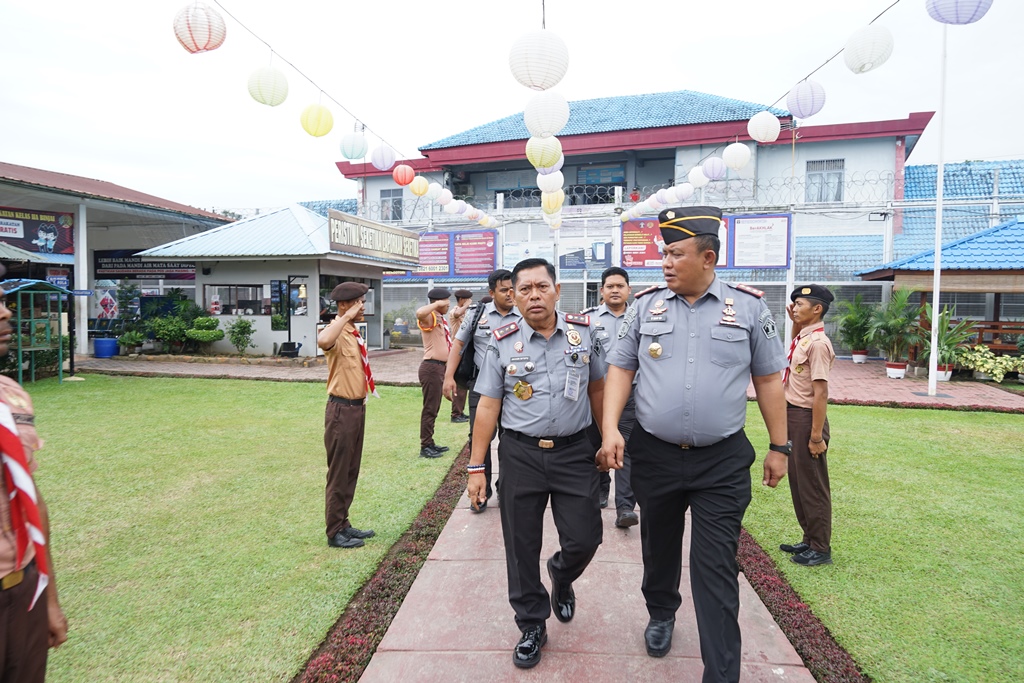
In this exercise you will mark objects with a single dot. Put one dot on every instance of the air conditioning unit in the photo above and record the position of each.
(465, 190)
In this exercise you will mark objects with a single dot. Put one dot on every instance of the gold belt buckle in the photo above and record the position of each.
(546, 443)
(12, 579)
(685, 446)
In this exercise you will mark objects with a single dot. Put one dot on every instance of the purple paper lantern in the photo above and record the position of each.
(805, 99)
(551, 169)
(958, 11)
(714, 168)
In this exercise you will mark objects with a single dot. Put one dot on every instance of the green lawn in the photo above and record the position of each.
(188, 525)
(928, 542)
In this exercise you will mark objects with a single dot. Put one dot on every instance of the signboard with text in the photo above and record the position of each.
(44, 232)
(751, 241)
(358, 236)
(118, 264)
(448, 254)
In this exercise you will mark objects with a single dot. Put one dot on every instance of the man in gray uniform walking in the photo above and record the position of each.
(545, 375)
(693, 346)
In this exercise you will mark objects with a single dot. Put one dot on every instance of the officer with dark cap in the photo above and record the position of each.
(437, 342)
(693, 345)
(544, 375)
(348, 380)
(806, 381)
(463, 301)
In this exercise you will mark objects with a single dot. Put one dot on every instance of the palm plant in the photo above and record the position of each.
(854, 321)
(894, 325)
(950, 336)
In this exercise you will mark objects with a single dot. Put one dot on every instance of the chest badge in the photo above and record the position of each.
(655, 350)
(529, 367)
(658, 310)
(574, 338)
(512, 369)
(522, 390)
(729, 310)
(586, 359)
(518, 346)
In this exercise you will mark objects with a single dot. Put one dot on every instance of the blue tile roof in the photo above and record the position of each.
(998, 248)
(349, 206)
(627, 112)
(966, 179)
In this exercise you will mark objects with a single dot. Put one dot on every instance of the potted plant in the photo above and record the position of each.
(854, 321)
(987, 365)
(130, 341)
(894, 329)
(951, 336)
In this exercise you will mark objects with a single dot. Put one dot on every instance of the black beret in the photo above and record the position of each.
(812, 292)
(486, 300)
(689, 221)
(463, 294)
(347, 291)
(439, 293)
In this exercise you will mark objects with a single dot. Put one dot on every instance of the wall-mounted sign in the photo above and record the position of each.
(601, 175)
(45, 232)
(758, 241)
(359, 236)
(514, 252)
(461, 253)
(118, 264)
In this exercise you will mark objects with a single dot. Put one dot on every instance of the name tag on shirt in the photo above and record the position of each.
(572, 386)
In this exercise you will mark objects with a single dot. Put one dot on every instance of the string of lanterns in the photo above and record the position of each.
(866, 50)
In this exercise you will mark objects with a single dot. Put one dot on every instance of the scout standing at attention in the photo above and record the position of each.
(437, 343)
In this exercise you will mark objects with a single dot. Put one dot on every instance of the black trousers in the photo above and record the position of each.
(529, 477)
(474, 400)
(714, 484)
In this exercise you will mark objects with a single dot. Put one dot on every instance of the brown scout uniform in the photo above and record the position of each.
(431, 376)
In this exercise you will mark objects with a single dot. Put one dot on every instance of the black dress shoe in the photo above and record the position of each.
(480, 507)
(812, 558)
(440, 449)
(794, 547)
(429, 452)
(353, 532)
(563, 597)
(460, 418)
(343, 540)
(658, 637)
(626, 518)
(603, 500)
(527, 652)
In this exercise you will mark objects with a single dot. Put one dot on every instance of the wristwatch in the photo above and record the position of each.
(785, 449)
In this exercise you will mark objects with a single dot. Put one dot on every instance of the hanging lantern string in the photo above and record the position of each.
(323, 93)
(820, 67)
(543, 15)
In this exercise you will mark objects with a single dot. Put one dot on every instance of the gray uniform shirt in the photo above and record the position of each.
(606, 325)
(545, 364)
(693, 363)
(489, 322)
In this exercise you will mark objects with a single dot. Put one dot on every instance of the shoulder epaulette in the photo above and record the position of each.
(749, 290)
(505, 330)
(653, 288)
(577, 319)
(589, 310)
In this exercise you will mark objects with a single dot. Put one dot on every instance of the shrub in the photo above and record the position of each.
(168, 329)
(278, 323)
(131, 339)
(240, 332)
(205, 332)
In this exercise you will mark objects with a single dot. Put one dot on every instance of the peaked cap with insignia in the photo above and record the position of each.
(689, 221)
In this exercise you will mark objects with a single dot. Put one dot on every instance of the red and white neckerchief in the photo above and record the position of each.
(447, 332)
(28, 526)
(370, 386)
(792, 348)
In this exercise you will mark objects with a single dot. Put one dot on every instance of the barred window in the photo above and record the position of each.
(825, 181)
(391, 205)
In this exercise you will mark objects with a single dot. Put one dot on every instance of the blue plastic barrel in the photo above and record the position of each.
(104, 348)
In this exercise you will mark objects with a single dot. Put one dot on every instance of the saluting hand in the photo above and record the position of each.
(352, 313)
(775, 466)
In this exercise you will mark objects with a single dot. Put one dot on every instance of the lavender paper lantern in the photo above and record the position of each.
(714, 168)
(383, 157)
(958, 11)
(551, 169)
(684, 191)
(805, 99)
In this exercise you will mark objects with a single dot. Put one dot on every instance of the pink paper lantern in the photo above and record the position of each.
(199, 28)
(403, 174)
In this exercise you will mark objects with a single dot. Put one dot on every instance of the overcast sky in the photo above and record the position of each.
(102, 89)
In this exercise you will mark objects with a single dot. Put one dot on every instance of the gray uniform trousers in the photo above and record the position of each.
(714, 483)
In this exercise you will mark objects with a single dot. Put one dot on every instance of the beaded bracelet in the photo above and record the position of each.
(476, 469)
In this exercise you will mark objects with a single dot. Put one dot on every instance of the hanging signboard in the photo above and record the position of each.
(118, 264)
(750, 241)
(358, 236)
(460, 253)
(44, 232)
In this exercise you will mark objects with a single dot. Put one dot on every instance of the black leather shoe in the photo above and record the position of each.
(353, 532)
(812, 558)
(343, 540)
(603, 500)
(460, 418)
(480, 507)
(626, 518)
(440, 449)
(429, 452)
(527, 652)
(794, 547)
(563, 597)
(658, 637)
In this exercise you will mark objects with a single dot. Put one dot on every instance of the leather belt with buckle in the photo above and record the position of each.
(13, 579)
(685, 446)
(546, 442)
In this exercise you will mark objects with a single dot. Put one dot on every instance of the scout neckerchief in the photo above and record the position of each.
(25, 519)
(371, 387)
(792, 348)
(447, 332)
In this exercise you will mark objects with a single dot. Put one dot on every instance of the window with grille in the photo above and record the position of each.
(825, 181)
(391, 205)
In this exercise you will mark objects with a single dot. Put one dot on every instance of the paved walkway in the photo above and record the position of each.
(456, 624)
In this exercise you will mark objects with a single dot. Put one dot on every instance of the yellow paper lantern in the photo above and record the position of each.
(317, 120)
(543, 152)
(551, 202)
(419, 186)
(268, 86)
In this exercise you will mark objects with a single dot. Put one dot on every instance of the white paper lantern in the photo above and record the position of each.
(958, 11)
(714, 168)
(445, 197)
(684, 191)
(763, 127)
(546, 114)
(382, 157)
(736, 156)
(354, 146)
(268, 86)
(551, 169)
(551, 181)
(452, 207)
(805, 99)
(434, 191)
(199, 28)
(662, 197)
(461, 206)
(472, 213)
(868, 49)
(539, 59)
(670, 196)
(697, 178)
(653, 203)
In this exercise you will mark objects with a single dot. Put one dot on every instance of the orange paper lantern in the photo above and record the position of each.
(403, 174)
